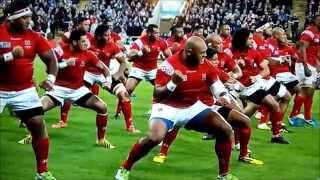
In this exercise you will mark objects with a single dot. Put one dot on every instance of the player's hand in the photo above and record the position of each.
(71, 61)
(146, 49)
(178, 77)
(17, 52)
(118, 76)
(307, 71)
(241, 62)
(46, 85)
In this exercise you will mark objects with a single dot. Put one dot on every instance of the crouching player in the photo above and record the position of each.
(179, 85)
(70, 85)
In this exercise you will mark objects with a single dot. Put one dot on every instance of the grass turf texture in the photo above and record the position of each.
(74, 156)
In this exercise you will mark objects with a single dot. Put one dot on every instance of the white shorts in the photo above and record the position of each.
(178, 117)
(282, 89)
(258, 85)
(142, 74)
(62, 93)
(305, 81)
(286, 77)
(20, 100)
(114, 66)
(97, 78)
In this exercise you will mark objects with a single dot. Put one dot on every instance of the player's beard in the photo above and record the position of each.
(101, 42)
(211, 52)
(193, 60)
(152, 39)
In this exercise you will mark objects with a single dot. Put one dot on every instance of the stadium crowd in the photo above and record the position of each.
(211, 81)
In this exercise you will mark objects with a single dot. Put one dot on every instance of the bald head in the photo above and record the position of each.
(215, 41)
(195, 50)
(279, 34)
(195, 42)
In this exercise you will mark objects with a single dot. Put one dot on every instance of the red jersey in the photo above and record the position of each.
(311, 35)
(72, 76)
(226, 62)
(148, 61)
(226, 41)
(261, 45)
(115, 37)
(17, 74)
(279, 51)
(104, 54)
(171, 41)
(251, 67)
(196, 85)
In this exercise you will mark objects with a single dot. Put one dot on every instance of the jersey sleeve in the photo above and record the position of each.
(163, 45)
(42, 45)
(212, 73)
(92, 58)
(164, 74)
(258, 57)
(115, 50)
(307, 36)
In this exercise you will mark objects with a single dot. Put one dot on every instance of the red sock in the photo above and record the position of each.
(223, 151)
(236, 136)
(167, 141)
(298, 101)
(245, 134)
(276, 119)
(264, 114)
(41, 150)
(127, 113)
(118, 109)
(307, 107)
(64, 112)
(137, 152)
(101, 123)
(95, 89)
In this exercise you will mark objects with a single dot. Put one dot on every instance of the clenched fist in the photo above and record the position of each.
(177, 77)
(17, 52)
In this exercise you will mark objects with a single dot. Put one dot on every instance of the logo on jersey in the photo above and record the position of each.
(27, 43)
(167, 68)
(5, 44)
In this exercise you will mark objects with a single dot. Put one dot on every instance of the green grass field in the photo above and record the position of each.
(73, 155)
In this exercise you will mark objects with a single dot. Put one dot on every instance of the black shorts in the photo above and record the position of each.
(274, 89)
(224, 112)
(257, 97)
(114, 85)
(291, 85)
(27, 114)
(81, 101)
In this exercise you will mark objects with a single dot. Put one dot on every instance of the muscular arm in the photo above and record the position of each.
(123, 64)
(161, 92)
(50, 59)
(303, 50)
(265, 68)
(103, 67)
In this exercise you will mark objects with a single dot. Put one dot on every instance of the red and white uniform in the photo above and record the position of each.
(188, 98)
(145, 67)
(227, 42)
(250, 62)
(311, 35)
(282, 71)
(69, 83)
(171, 43)
(16, 76)
(93, 74)
(115, 37)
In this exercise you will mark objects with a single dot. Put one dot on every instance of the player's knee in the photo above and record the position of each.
(275, 106)
(36, 126)
(101, 108)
